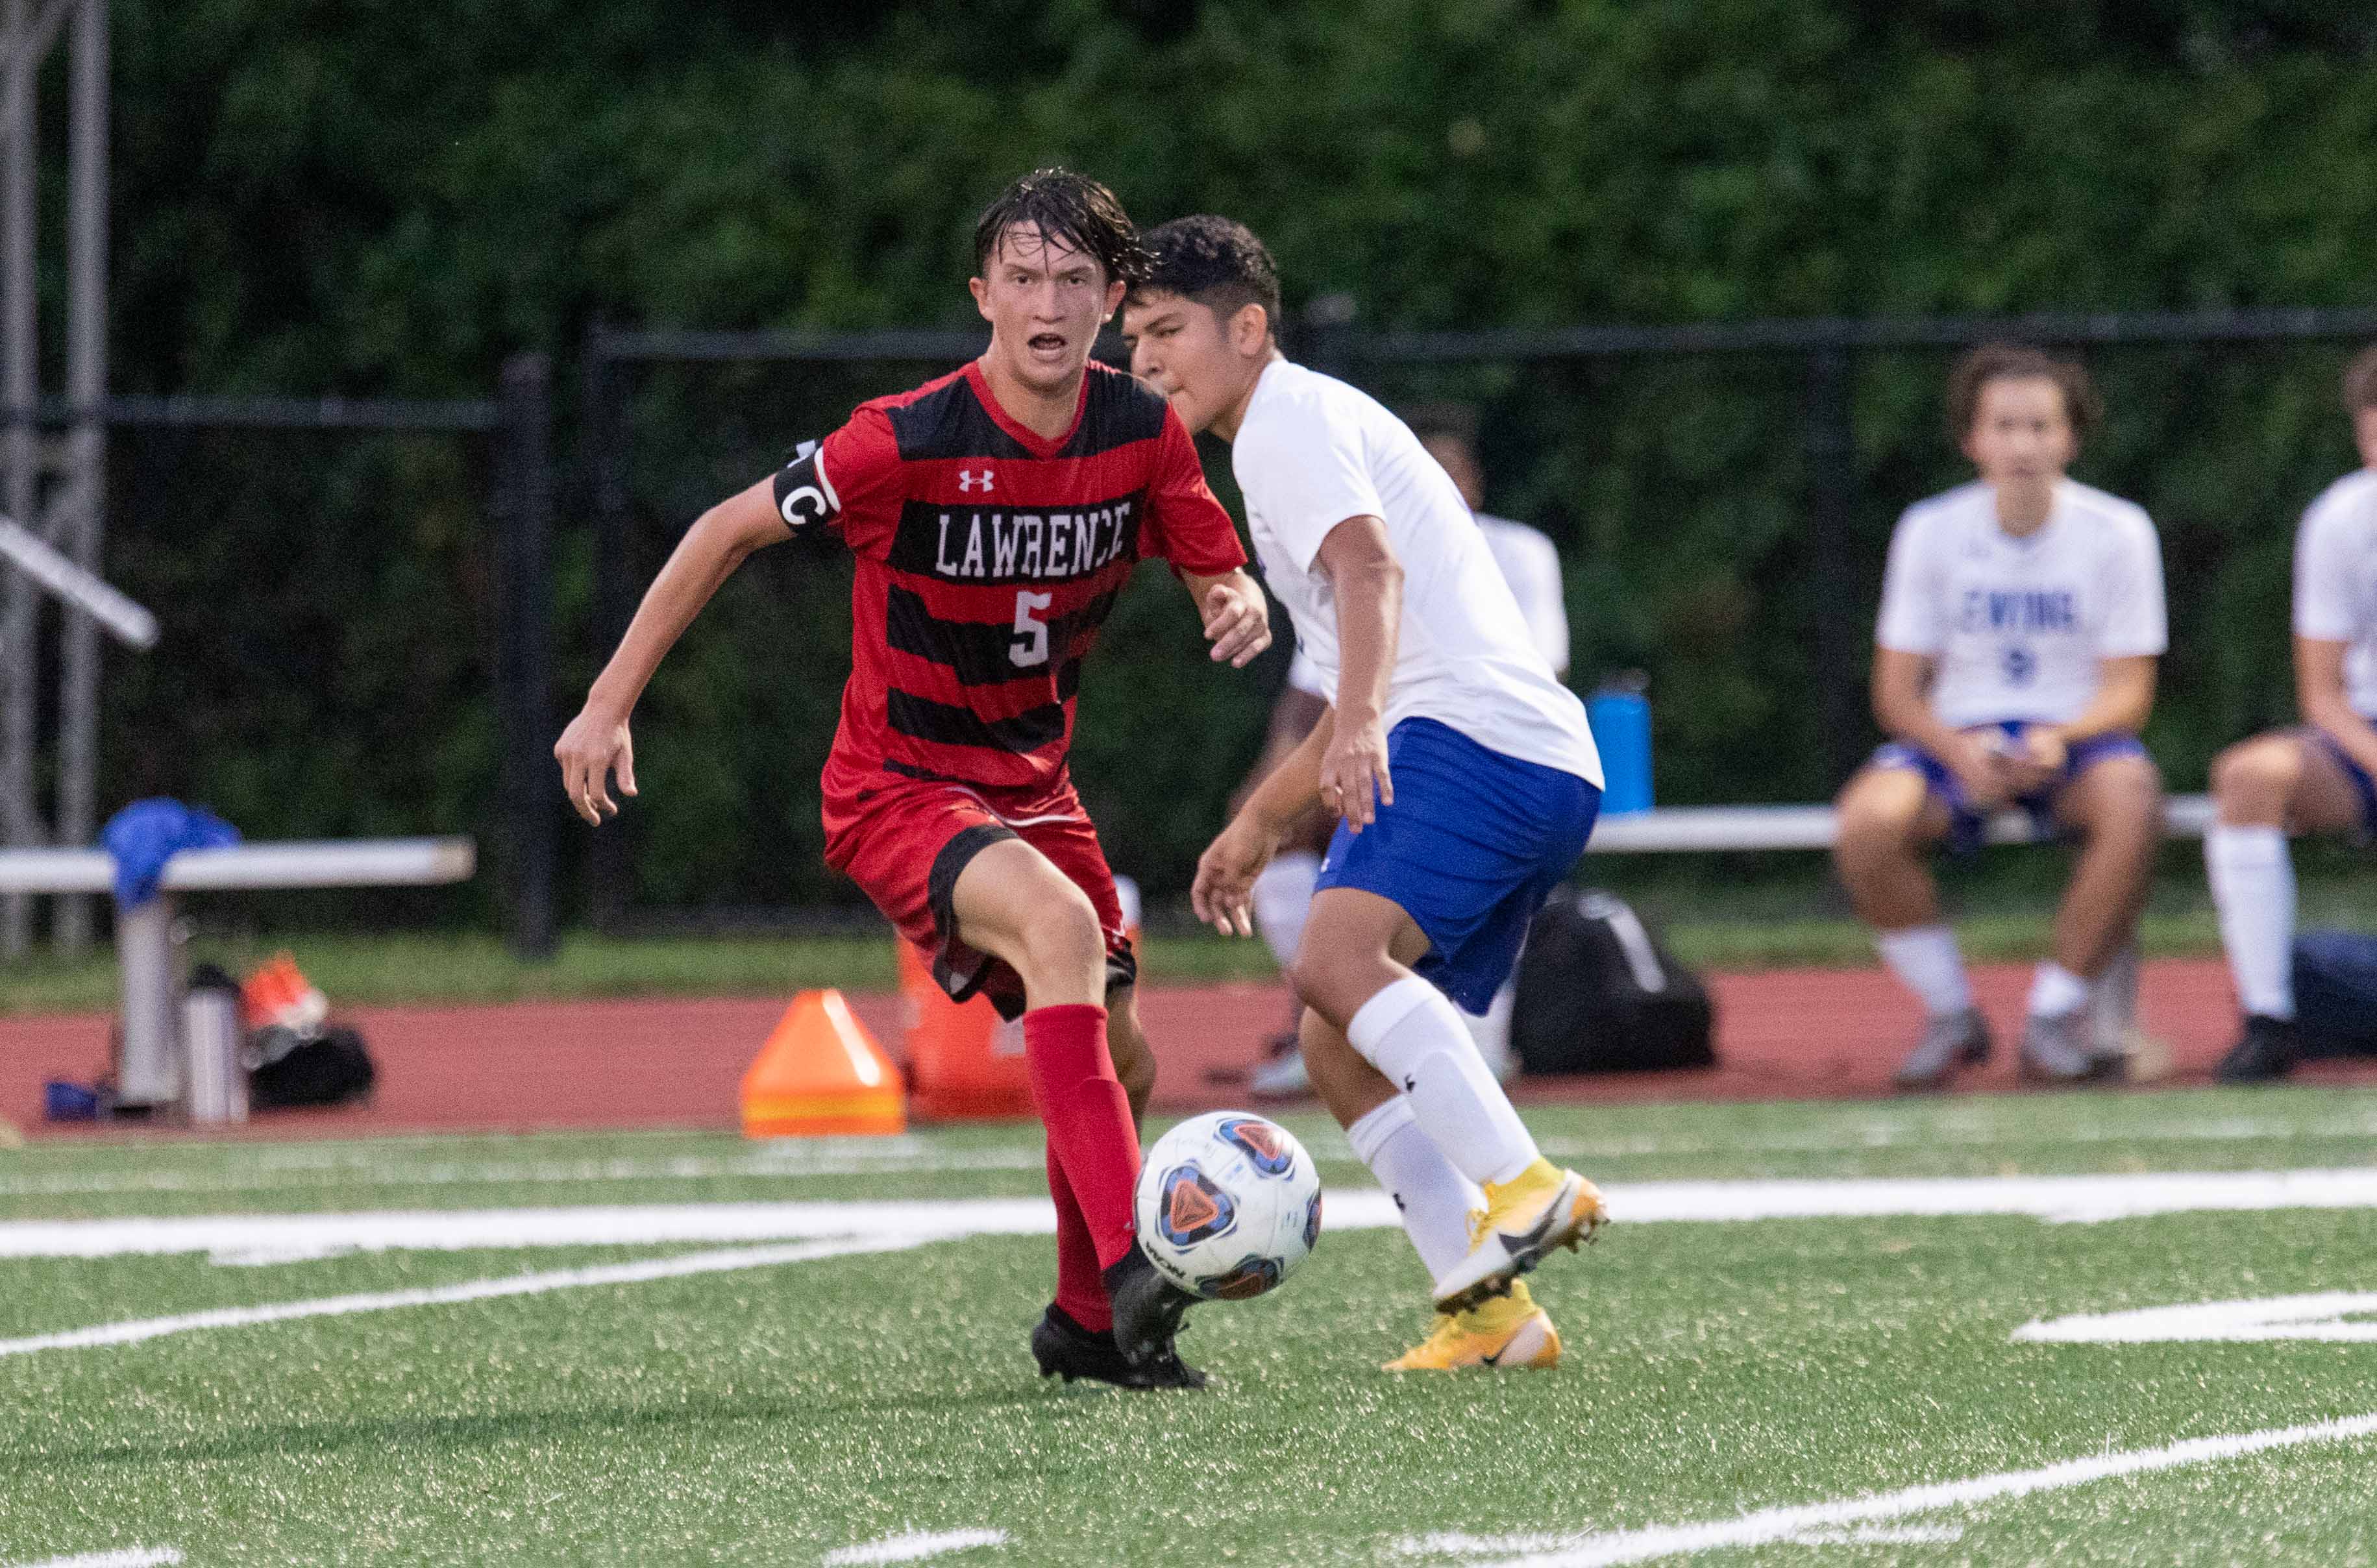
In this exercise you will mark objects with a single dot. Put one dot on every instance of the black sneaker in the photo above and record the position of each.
(2268, 1050)
(1147, 1312)
(1063, 1348)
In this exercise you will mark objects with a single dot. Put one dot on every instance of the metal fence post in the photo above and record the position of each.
(1832, 505)
(523, 647)
(20, 821)
(85, 506)
(611, 866)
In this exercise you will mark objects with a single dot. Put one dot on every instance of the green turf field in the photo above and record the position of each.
(754, 1379)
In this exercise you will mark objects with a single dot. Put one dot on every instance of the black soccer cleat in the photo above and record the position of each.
(2268, 1050)
(1147, 1313)
(1064, 1349)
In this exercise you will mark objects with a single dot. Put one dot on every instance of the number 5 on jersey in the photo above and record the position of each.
(1031, 644)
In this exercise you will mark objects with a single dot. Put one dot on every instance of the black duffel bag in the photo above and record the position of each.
(1597, 994)
(2335, 994)
(326, 1068)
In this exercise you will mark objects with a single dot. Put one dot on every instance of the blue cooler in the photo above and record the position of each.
(1620, 717)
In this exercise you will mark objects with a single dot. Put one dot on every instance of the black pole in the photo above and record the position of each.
(611, 865)
(1831, 483)
(529, 781)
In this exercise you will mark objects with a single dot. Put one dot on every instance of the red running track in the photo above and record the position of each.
(1791, 1034)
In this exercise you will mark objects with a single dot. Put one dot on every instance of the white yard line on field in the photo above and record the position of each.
(1773, 1525)
(136, 1330)
(387, 1164)
(127, 1557)
(2322, 1317)
(913, 1546)
(287, 1237)
(789, 1161)
(290, 1238)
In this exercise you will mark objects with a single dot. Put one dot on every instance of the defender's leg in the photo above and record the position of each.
(1014, 903)
(1347, 972)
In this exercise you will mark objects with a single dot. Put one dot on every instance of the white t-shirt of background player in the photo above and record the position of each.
(1530, 564)
(2335, 581)
(1312, 452)
(2017, 628)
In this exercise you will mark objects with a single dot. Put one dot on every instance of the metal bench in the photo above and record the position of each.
(1701, 829)
(148, 1070)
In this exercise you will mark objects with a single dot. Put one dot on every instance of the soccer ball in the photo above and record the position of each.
(1227, 1204)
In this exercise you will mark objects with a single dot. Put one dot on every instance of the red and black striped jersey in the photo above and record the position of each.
(987, 558)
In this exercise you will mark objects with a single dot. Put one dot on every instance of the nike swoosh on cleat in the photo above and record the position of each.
(1495, 1360)
(1534, 1240)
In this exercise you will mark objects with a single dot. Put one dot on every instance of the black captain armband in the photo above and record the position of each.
(804, 498)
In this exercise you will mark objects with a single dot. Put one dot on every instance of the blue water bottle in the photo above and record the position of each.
(1621, 716)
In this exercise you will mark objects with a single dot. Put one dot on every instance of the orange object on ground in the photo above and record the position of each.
(822, 1074)
(964, 1062)
(278, 994)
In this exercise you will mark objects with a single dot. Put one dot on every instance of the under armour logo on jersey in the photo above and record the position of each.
(2020, 664)
(968, 479)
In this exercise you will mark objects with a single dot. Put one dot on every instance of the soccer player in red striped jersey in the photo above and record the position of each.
(993, 514)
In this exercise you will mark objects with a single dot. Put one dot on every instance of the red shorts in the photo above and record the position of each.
(904, 840)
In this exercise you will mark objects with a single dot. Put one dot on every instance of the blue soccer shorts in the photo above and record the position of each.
(1473, 844)
(1967, 827)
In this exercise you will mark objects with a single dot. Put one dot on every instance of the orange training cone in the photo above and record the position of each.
(820, 1074)
(967, 1063)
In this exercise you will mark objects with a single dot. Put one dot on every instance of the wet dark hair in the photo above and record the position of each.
(1064, 206)
(2016, 361)
(2361, 381)
(1446, 422)
(1217, 262)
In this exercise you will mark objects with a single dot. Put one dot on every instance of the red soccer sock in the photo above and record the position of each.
(1081, 1289)
(1088, 1117)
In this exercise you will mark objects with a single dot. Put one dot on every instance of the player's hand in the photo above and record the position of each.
(2038, 760)
(1980, 767)
(1237, 620)
(594, 744)
(1223, 895)
(1354, 779)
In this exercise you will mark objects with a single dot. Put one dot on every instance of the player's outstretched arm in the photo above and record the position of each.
(1223, 894)
(597, 742)
(1237, 617)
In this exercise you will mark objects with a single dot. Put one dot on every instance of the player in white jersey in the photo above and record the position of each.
(1462, 771)
(2317, 778)
(1282, 894)
(2022, 616)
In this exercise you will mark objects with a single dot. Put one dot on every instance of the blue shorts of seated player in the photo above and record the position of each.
(1473, 844)
(1967, 827)
(2363, 787)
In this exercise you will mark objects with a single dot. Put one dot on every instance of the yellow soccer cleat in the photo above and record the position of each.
(1540, 1208)
(1508, 1334)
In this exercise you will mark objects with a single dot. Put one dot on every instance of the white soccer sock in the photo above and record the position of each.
(1413, 1035)
(2253, 889)
(1924, 959)
(2055, 991)
(1491, 1031)
(1433, 1198)
(1283, 898)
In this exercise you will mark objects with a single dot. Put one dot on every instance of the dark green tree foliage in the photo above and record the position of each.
(373, 198)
